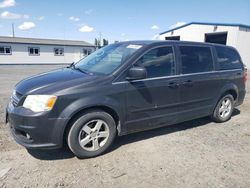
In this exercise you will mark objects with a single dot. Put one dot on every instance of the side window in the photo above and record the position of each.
(228, 58)
(196, 59)
(158, 62)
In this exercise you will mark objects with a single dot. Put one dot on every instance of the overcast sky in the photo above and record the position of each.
(114, 19)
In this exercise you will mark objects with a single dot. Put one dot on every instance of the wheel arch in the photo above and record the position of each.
(227, 89)
(232, 92)
(230, 89)
(83, 105)
(88, 109)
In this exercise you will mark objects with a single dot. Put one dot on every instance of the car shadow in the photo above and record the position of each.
(65, 153)
(135, 137)
(51, 154)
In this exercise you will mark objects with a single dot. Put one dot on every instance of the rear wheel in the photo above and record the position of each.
(224, 109)
(92, 134)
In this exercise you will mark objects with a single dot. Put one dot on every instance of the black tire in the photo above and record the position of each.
(76, 131)
(217, 114)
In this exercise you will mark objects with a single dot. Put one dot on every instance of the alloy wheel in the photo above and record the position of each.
(93, 135)
(225, 108)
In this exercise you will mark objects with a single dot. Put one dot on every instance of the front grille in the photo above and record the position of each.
(15, 98)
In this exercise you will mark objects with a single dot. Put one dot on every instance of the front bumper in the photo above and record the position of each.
(34, 130)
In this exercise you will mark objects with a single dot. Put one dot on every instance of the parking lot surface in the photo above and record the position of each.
(198, 153)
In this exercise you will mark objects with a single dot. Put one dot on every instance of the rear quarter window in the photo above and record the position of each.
(228, 58)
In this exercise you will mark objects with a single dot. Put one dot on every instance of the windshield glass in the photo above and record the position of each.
(107, 59)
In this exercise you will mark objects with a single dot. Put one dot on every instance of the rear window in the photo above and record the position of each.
(228, 58)
(196, 59)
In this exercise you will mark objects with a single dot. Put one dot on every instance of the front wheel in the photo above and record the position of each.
(223, 109)
(92, 134)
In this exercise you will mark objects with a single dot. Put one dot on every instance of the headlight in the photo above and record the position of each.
(39, 103)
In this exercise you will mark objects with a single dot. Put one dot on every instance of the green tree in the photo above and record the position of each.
(105, 42)
(97, 43)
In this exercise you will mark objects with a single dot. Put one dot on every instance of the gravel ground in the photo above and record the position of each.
(196, 153)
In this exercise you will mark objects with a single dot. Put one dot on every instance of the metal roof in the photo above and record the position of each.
(205, 23)
(22, 40)
(163, 42)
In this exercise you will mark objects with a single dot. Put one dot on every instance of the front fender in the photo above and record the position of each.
(88, 102)
(81, 104)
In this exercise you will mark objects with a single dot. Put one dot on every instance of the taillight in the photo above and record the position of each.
(245, 76)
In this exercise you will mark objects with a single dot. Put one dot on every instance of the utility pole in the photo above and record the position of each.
(13, 30)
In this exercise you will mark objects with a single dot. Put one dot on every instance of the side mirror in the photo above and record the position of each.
(136, 73)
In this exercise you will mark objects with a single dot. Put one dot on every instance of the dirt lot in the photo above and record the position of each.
(197, 153)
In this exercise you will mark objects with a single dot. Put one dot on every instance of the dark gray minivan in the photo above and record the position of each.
(124, 88)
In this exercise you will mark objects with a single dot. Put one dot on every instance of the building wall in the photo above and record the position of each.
(20, 54)
(236, 37)
(197, 33)
(243, 45)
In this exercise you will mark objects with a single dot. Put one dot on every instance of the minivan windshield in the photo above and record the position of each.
(107, 59)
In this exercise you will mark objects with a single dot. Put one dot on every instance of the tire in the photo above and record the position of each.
(224, 106)
(91, 134)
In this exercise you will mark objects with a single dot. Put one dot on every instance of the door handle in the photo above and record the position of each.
(188, 83)
(173, 85)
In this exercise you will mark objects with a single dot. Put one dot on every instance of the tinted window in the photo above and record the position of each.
(196, 59)
(158, 62)
(228, 58)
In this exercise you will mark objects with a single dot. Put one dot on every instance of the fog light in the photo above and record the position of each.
(28, 136)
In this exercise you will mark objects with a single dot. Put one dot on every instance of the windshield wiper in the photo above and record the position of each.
(81, 70)
(72, 65)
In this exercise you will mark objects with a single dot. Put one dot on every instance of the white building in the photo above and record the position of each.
(16, 50)
(236, 35)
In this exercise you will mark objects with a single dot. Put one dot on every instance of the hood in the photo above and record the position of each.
(53, 80)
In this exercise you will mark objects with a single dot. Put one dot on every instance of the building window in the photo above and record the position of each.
(5, 50)
(217, 38)
(58, 51)
(173, 38)
(34, 51)
(87, 52)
